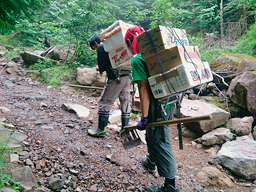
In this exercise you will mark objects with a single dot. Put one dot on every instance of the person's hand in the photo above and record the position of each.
(142, 123)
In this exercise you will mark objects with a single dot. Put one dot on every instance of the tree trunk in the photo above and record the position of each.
(245, 18)
(221, 20)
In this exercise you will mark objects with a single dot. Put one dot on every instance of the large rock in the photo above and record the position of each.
(56, 184)
(100, 80)
(242, 91)
(30, 58)
(246, 65)
(11, 137)
(85, 76)
(217, 136)
(233, 63)
(26, 178)
(79, 110)
(254, 132)
(241, 126)
(56, 53)
(193, 108)
(211, 176)
(239, 156)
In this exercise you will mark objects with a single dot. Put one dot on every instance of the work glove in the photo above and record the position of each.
(142, 123)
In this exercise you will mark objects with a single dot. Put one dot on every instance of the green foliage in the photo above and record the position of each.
(161, 13)
(232, 131)
(54, 74)
(85, 55)
(247, 44)
(32, 34)
(6, 179)
(12, 53)
(12, 11)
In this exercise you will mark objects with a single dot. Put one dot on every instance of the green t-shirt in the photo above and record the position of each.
(139, 73)
(139, 68)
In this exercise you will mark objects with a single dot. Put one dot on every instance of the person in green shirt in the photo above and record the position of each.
(160, 153)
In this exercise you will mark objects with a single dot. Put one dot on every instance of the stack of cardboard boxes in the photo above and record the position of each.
(173, 65)
(113, 41)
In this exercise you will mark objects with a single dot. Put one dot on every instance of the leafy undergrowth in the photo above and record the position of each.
(5, 177)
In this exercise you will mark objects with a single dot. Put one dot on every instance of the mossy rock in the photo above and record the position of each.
(235, 110)
(229, 62)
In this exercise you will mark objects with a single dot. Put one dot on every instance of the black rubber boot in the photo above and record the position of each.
(125, 119)
(149, 165)
(102, 125)
(164, 188)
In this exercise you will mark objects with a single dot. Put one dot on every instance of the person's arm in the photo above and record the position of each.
(144, 97)
(101, 59)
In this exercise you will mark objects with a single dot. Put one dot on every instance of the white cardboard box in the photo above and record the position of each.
(113, 36)
(121, 57)
(179, 79)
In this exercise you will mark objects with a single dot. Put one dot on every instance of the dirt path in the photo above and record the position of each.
(59, 138)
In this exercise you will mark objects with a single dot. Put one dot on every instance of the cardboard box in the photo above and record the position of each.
(121, 57)
(113, 36)
(171, 58)
(163, 37)
(180, 79)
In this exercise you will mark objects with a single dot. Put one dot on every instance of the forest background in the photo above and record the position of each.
(215, 26)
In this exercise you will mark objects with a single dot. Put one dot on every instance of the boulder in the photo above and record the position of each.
(239, 156)
(26, 178)
(79, 110)
(241, 126)
(56, 53)
(242, 91)
(254, 132)
(85, 76)
(193, 108)
(217, 136)
(100, 80)
(30, 58)
(246, 65)
(232, 62)
(211, 176)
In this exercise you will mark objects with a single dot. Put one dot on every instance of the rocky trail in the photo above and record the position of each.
(58, 146)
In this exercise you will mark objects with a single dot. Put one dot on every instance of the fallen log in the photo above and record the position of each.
(86, 87)
(89, 87)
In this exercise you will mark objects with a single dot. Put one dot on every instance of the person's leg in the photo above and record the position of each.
(149, 164)
(102, 125)
(108, 97)
(161, 152)
(124, 98)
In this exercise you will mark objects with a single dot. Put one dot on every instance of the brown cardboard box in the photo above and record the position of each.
(171, 58)
(163, 37)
